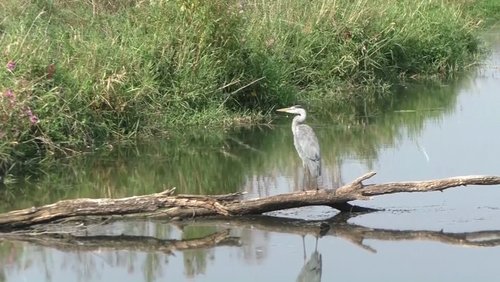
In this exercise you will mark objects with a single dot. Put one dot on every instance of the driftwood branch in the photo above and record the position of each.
(165, 204)
(429, 185)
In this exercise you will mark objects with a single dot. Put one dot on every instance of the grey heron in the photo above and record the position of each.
(306, 143)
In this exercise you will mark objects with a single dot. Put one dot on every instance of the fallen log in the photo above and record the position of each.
(166, 204)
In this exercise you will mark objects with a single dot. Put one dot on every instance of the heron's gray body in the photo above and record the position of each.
(307, 146)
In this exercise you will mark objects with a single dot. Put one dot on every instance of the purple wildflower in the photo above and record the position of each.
(9, 94)
(32, 117)
(11, 66)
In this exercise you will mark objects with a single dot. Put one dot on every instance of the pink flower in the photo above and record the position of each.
(32, 117)
(11, 66)
(9, 94)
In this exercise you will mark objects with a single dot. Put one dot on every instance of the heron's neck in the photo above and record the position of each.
(298, 120)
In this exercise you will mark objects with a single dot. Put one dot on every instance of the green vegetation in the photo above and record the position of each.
(485, 12)
(82, 73)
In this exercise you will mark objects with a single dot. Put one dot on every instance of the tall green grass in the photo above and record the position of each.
(88, 72)
(483, 12)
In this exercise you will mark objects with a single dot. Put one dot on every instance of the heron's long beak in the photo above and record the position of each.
(284, 110)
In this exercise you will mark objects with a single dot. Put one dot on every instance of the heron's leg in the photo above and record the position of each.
(305, 178)
(304, 248)
(311, 180)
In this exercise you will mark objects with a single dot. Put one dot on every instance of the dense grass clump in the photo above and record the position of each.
(80, 72)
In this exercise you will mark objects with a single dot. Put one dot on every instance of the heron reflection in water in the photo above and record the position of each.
(306, 144)
(312, 269)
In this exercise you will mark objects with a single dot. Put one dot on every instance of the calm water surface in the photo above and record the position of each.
(429, 132)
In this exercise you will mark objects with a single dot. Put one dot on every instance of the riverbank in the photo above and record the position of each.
(82, 74)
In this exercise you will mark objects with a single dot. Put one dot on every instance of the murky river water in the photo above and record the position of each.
(430, 132)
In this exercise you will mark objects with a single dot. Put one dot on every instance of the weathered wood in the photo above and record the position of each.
(165, 204)
(106, 206)
(429, 185)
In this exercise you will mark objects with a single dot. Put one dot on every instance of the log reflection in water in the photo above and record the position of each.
(336, 226)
